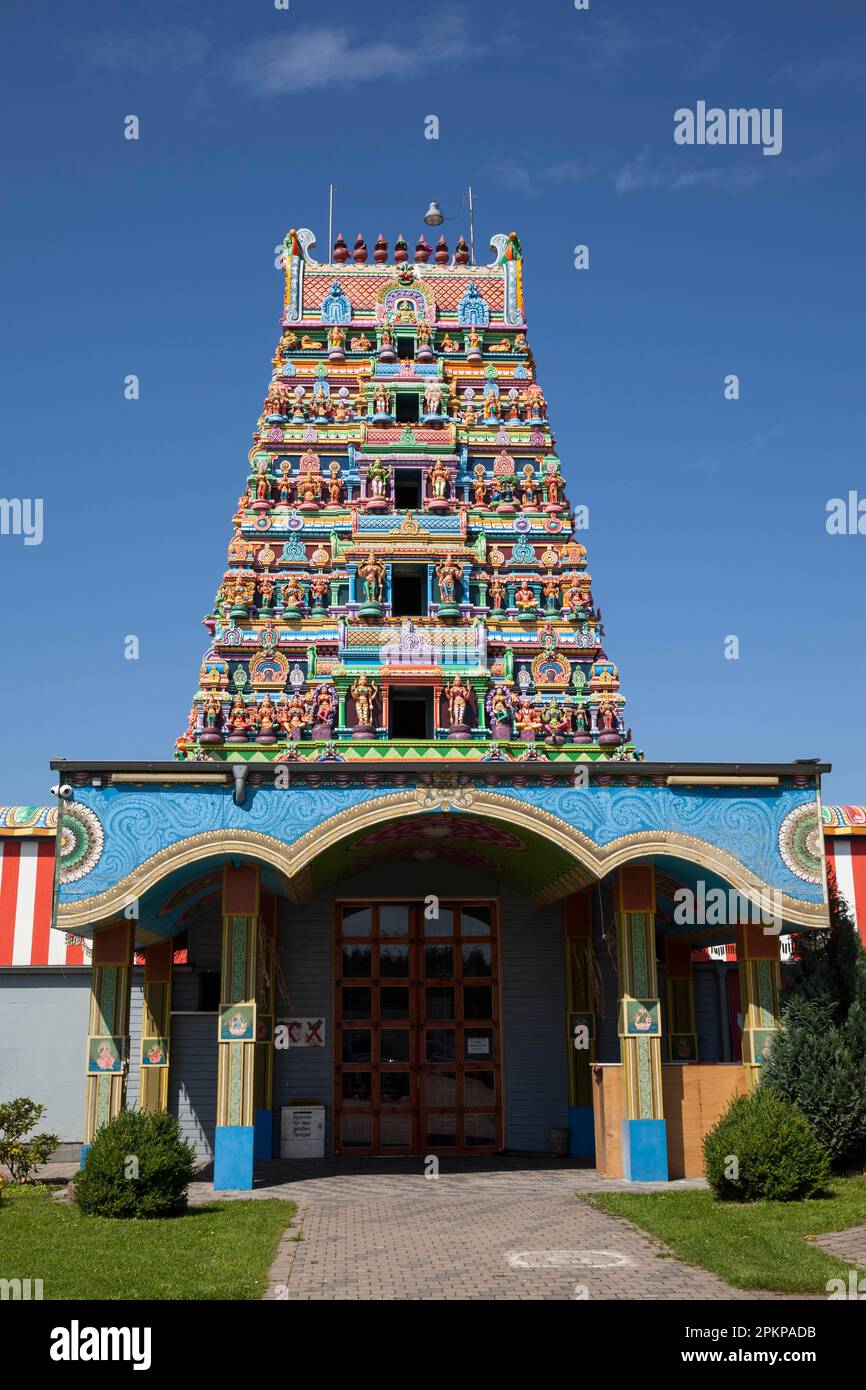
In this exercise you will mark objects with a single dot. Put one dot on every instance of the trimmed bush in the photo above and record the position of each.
(763, 1149)
(137, 1166)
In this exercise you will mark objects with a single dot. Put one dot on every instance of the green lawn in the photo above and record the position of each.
(222, 1250)
(757, 1245)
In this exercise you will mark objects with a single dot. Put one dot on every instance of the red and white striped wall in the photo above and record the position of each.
(26, 887)
(845, 853)
(28, 838)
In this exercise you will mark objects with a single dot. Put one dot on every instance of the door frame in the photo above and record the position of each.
(418, 981)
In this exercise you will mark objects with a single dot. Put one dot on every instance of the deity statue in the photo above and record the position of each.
(340, 412)
(387, 337)
(449, 344)
(335, 484)
(267, 721)
(527, 485)
(439, 480)
(297, 716)
(607, 718)
(405, 311)
(554, 488)
(524, 597)
(277, 401)
(309, 344)
(237, 720)
(382, 401)
(527, 720)
(378, 475)
(360, 403)
(289, 340)
(499, 707)
(581, 720)
(470, 416)
(491, 406)
(284, 483)
(336, 338)
(364, 692)
(361, 343)
(520, 342)
(323, 712)
(319, 586)
(266, 589)
(474, 341)
(447, 572)
(212, 713)
(557, 722)
(551, 591)
(433, 398)
(497, 591)
(458, 698)
(479, 486)
(263, 482)
(504, 345)
(293, 593)
(371, 571)
(309, 489)
(423, 333)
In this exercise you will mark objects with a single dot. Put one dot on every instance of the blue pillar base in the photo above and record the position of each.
(263, 1124)
(644, 1151)
(233, 1158)
(581, 1128)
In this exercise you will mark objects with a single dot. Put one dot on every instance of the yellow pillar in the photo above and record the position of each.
(238, 1029)
(644, 1138)
(760, 984)
(156, 1026)
(108, 1026)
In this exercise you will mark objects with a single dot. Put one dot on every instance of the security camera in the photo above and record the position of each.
(63, 790)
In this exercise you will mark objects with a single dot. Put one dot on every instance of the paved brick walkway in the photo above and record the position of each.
(847, 1245)
(509, 1230)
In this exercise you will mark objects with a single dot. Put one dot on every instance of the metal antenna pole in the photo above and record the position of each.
(471, 230)
(330, 221)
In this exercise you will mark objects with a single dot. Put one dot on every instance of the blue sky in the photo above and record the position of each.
(155, 257)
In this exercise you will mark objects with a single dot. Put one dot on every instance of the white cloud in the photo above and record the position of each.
(169, 49)
(309, 59)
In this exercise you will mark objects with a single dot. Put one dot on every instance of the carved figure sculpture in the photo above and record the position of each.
(364, 692)
(447, 572)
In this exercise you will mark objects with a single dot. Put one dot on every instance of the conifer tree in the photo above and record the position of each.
(818, 1061)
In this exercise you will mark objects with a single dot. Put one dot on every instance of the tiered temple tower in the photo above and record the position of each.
(405, 579)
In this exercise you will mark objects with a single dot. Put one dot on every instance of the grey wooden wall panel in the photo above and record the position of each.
(192, 1078)
(534, 1046)
(43, 1045)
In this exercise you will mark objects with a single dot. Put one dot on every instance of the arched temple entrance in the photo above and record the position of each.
(442, 978)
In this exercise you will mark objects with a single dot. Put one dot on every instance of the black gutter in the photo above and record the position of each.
(803, 767)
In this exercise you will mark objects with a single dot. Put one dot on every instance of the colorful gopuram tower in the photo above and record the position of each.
(404, 579)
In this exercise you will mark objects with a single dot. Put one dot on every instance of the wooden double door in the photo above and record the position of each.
(417, 1054)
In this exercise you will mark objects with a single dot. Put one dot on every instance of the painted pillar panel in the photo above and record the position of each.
(760, 985)
(643, 1128)
(156, 1026)
(108, 1026)
(237, 1029)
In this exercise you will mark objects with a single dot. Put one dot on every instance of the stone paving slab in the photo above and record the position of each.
(847, 1245)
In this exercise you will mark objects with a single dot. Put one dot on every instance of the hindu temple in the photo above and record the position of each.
(407, 867)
